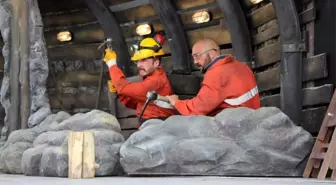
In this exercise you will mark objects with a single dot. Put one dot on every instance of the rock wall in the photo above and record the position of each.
(38, 63)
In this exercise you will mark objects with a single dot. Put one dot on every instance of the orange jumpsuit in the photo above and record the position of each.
(227, 83)
(133, 95)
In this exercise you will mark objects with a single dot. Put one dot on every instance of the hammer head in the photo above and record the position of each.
(107, 43)
(151, 95)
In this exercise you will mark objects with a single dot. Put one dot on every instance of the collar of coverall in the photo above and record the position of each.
(212, 63)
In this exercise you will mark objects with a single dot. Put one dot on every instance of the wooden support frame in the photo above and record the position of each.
(112, 30)
(237, 26)
(176, 36)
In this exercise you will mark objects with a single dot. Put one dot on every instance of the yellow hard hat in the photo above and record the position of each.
(148, 47)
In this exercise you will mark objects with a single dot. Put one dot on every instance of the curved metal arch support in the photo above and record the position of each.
(291, 58)
(176, 35)
(111, 28)
(236, 23)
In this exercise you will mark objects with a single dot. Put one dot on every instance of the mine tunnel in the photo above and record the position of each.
(288, 44)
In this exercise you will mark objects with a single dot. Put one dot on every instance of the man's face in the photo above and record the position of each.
(147, 66)
(201, 57)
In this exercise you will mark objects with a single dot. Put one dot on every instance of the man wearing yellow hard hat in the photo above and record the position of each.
(133, 95)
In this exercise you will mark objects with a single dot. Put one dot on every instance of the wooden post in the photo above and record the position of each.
(81, 152)
(14, 114)
(24, 59)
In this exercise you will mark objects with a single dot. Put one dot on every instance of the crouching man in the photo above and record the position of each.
(227, 83)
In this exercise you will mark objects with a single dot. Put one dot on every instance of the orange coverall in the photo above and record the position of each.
(133, 95)
(227, 83)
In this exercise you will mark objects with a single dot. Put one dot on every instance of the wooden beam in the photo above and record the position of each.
(175, 35)
(220, 34)
(273, 31)
(267, 55)
(24, 65)
(14, 114)
(262, 15)
(112, 30)
(312, 119)
(74, 52)
(311, 96)
(67, 19)
(313, 68)
(187, 4)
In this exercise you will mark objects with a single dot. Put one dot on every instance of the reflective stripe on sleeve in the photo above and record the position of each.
(163, 104)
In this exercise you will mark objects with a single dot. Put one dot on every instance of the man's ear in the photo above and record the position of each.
(156, 62)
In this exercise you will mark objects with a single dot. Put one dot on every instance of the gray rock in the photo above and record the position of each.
(38, 64)
(39, 116)
(49, 154)
(240, 141)
(20, 141)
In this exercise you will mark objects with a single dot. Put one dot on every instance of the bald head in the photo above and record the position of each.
(204, 51)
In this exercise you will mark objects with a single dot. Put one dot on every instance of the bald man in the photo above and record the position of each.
(227, 83)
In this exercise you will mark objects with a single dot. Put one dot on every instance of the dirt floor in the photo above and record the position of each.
(25, 180)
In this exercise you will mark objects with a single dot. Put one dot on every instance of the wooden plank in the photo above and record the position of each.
(89, 164)
(185, 4)
(68, 19)
(313, 68)
(269, 79)
(267, 55)
(311, 96)
(74, 52)
(2, 62)
(266, 35)
(312, 119)
(262, 15)
(75, 153)
(220, 34)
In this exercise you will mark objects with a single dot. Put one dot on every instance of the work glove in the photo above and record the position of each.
(111, 87)
(110, 57)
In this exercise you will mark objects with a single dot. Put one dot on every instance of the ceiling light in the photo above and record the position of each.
(201, 17)
(144, 29)
(64, 36)
(256, 1)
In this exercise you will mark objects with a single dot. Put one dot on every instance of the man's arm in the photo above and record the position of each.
(128, 101)
(209, 97)
(136, 91)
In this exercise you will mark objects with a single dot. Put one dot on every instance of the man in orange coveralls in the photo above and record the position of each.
(227, 83)
(133, 95)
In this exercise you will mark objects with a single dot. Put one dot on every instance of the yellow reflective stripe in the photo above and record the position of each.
(243, 98)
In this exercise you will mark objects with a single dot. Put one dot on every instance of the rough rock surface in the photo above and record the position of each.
(239, 141)
(37, 59)
(43, 150)
(20, 140)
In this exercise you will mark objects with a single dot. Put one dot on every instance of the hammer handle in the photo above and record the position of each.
(163, 98)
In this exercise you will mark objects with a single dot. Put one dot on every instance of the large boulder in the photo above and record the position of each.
(48, 155)
(43, 150)
(237, 141)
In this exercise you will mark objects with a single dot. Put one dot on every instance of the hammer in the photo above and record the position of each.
(151, 96)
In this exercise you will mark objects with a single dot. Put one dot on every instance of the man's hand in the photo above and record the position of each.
(111, 87)
(172, 99)
(110, 57)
